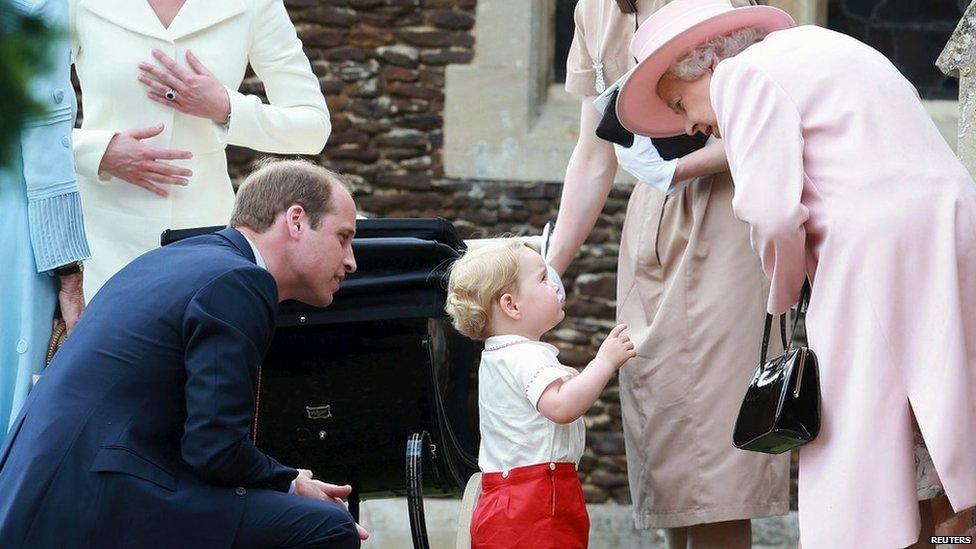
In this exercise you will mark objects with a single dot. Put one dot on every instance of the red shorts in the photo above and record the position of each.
(535, 507)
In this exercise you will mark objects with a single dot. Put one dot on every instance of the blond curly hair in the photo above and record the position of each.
(479, 279)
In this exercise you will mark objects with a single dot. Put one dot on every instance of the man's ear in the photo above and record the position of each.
(509, 306)
(296, 220)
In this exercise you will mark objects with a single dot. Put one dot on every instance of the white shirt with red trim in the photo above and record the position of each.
(513, 374)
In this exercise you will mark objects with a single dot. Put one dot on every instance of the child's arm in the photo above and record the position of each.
(567, 401)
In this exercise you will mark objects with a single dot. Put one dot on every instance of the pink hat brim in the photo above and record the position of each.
(639, 108)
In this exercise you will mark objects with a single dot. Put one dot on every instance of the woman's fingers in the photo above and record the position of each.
(154, 85)
(167, 79)
(165, 102)
(617, 330)
(172, 65)
(167, 169)
(171, 154)
(145, 184)
(162, 179)
(196, 65)
(145, 133)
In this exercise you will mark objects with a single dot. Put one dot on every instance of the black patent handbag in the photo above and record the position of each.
(781, 408)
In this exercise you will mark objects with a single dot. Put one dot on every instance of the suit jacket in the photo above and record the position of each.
(110, 38)
(137, 435)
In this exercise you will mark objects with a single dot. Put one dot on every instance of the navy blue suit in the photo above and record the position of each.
(137, 435)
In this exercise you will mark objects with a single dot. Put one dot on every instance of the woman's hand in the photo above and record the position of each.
(643, 161)
(71, 297)
(195, 91)
(131, 160)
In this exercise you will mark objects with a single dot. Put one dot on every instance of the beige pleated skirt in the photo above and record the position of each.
(693, 293)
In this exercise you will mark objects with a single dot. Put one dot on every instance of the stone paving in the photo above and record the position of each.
(611, 527)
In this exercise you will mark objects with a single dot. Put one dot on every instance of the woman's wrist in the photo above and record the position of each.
(72, 283)
(680, 171)
(223, 115)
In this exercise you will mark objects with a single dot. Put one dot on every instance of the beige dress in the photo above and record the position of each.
(693, 293)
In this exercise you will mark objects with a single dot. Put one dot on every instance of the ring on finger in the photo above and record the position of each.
(170, 94)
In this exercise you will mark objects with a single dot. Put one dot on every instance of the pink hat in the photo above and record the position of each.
(668, 35)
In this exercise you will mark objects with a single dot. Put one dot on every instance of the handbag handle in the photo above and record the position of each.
(798, 336)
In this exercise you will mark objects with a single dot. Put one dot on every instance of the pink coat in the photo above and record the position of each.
(842, 176)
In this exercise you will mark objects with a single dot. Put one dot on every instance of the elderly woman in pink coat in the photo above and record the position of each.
(844, 180)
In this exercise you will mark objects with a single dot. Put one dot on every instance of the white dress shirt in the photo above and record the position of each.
(513, 374)
(257, 253)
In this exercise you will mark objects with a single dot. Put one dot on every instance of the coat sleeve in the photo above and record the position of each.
(227, 328)
(297, 119)
(580, 75)
(763, 136)
(57, 228)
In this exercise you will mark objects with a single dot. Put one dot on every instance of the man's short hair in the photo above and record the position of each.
(279, 184)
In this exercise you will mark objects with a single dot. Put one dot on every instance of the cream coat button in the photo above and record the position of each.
(22, 346)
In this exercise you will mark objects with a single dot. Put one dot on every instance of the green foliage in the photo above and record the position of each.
(24, 50)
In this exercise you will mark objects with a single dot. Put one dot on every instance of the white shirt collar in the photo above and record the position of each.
(497, 342)
(257, 253)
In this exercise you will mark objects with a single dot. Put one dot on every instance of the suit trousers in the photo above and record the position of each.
(275, 519)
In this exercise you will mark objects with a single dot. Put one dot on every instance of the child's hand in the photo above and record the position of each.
(617, 348)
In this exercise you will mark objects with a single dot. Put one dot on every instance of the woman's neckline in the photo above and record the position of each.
(159, 19)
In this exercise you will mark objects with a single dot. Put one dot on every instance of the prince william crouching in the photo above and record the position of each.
(137, 435)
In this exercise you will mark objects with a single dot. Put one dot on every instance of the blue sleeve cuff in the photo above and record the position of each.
(57, 229)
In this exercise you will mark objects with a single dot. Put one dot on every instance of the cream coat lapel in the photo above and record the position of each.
(138, 16)
(134, 15)
(197, 15)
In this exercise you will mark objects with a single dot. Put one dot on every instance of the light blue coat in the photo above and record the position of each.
(41, 225)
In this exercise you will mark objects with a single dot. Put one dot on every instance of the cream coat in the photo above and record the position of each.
(109, 39)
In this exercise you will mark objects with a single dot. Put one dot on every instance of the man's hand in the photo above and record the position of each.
(308, 487)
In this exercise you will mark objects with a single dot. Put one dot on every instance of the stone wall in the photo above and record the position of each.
(381, 65)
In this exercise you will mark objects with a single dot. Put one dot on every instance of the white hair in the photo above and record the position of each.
(700, 59)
